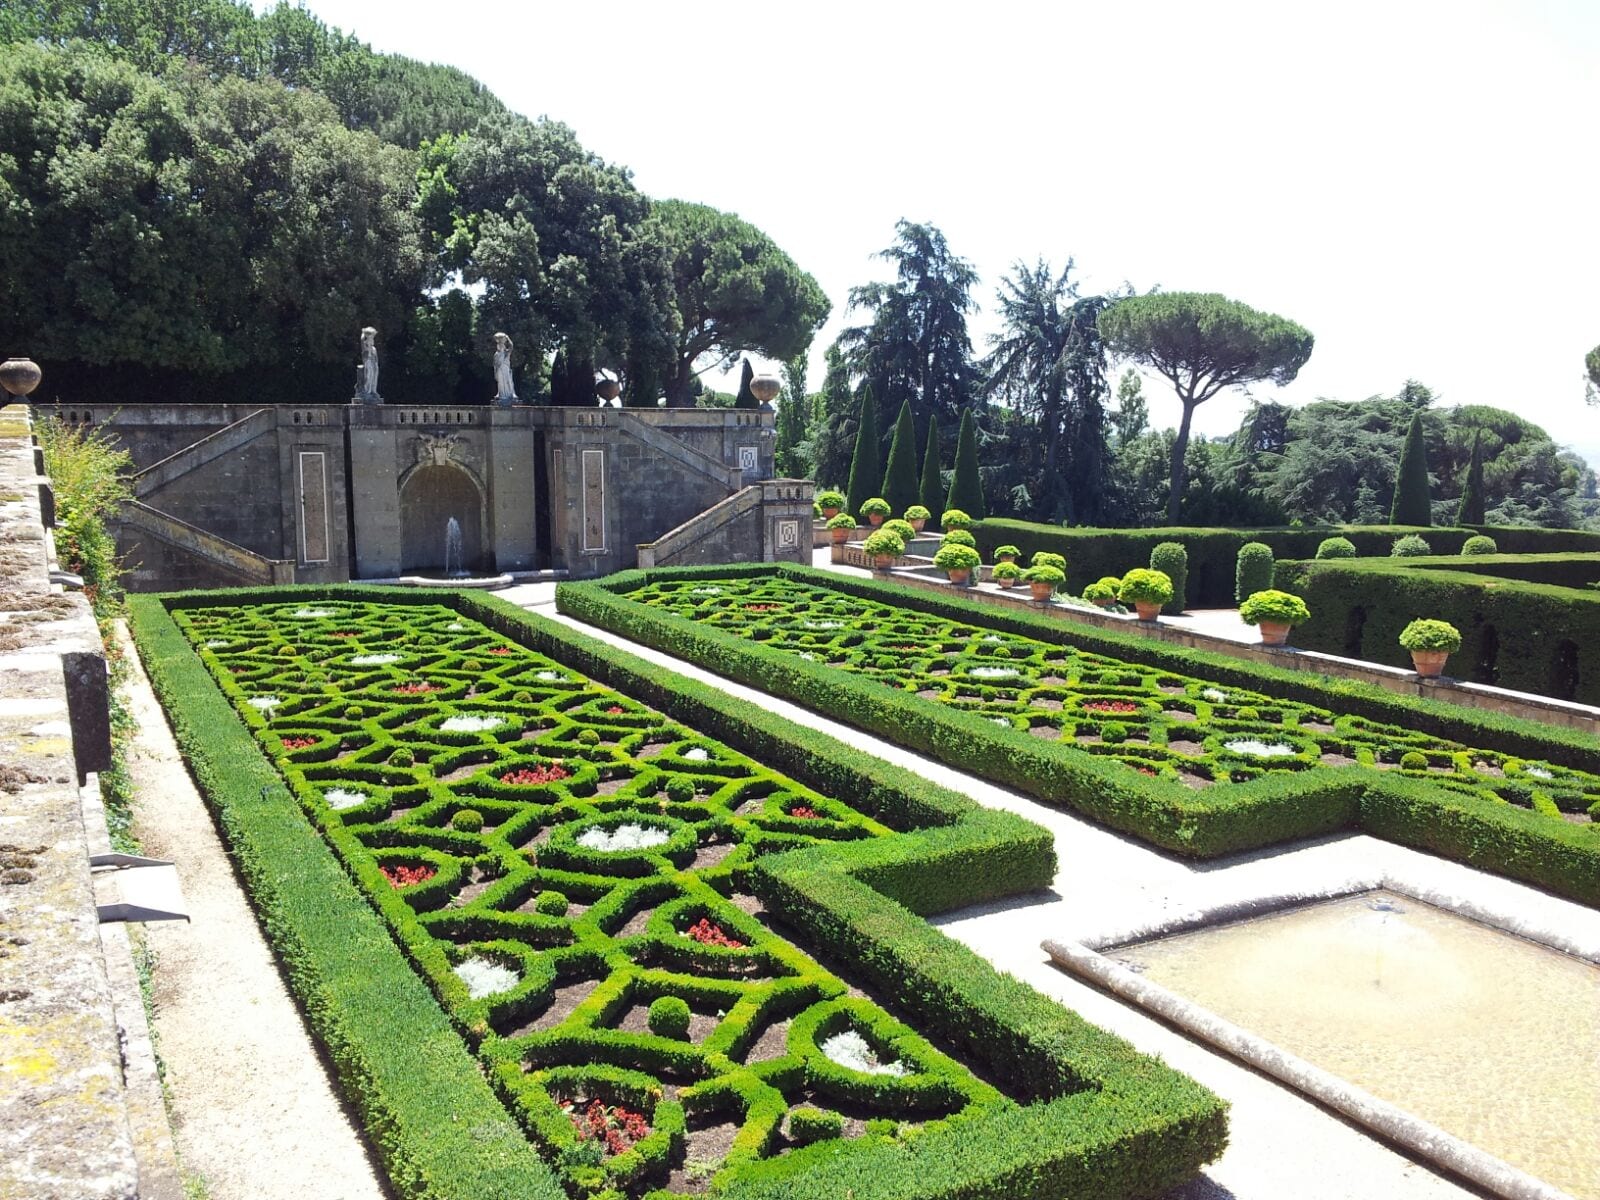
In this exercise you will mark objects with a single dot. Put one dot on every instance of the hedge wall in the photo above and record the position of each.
(1105, 1121)
(1532, 637)
(1213, 553)
(1220, 820)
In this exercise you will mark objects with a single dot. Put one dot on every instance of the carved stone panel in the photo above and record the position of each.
(594, 500)
(313, 507)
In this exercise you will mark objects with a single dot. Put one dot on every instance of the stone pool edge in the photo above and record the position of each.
(1430, 1143)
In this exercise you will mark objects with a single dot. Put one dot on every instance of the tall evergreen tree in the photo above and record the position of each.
(1471, 510)
(792, 461)
(966, 487)
(932, 479)
(746, 398)
(900, 486)
(865, 472)
(1411, 503)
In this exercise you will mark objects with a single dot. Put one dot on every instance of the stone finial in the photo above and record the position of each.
(19, 376)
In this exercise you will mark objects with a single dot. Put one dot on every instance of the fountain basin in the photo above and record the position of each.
(478, 582)
(1447, 1035)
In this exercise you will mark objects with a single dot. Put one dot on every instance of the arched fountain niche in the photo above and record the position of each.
(431, 497)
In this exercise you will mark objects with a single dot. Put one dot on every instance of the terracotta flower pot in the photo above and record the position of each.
(840, 536)
(1010, 558)
(830, 512)
(882, 562)
(1006, 582)
(918, 523)
(1102, 603)
(1147, 609)
(1274, 633)
(876, 519)
(1429, 663)
(960, 576)
(1041, 591)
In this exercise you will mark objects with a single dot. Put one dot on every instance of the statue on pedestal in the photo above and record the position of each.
(367, 374)
(505, 386)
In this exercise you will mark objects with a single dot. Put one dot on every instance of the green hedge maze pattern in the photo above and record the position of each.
(1154, 721)
(389, 722)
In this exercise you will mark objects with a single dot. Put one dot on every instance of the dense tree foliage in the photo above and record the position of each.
(1591, 367)
(735, 291)
(1201, 343)
(790, 452)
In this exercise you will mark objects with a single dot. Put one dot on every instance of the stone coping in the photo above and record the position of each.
(1086, 959)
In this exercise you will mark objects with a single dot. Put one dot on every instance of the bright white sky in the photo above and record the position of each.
(1415, 181)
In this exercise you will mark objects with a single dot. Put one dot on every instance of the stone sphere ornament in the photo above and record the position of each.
(765, 388)
(19, 376)
(607, 389)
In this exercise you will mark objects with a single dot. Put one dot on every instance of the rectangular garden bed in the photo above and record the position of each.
(544, 905)
(1194, 752)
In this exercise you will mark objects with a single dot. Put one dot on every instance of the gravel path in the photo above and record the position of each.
(254, 1113)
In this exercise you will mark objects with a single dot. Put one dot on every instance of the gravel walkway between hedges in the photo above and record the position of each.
(254, 1113)
(1282, 1144)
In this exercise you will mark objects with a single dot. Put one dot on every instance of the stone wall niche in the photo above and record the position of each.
(429, 497)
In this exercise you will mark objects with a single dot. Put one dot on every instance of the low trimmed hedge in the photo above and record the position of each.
(1118, 1122)
(1274, 807)
(1529, 636)
(1213, 553)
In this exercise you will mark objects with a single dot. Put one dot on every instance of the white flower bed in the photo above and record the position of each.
(216, 644)
(706, 591)
(485, 977)
(549, 676)
(696, 754)
(993, 637)
(340, 799)
(824, 624)
(1540, 773)
(455, 627)
(373, 660)
(311, 614)
(993, 672)
(479, 724)
(1215, 695)
(1255, 749)
(265, 702)
(623, 837)
(850, 1049)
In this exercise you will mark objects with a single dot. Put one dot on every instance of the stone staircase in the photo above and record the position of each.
(774, 515)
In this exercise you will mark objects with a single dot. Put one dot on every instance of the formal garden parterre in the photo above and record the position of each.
(1193, 752)
(606, 903)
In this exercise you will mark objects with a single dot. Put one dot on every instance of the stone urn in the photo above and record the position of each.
(608, 389)
(19, 376)
(765, 388)
(1429, 663)
(1148, 610)
(1041, 591)
(1274, 633)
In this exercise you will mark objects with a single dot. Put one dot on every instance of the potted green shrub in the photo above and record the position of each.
(1147, 590)
(883, 546)
(960, 537)
(1274, 613)
(1102, 592)
(829, 503)
(954, 518)
(1410, 546)
(918, 516)
(1480, 543)
(957, 562)
(841, 525)
(1431, 643)
(903, 528)
(1006, 573)
(1336, 547)
(1007, 554)
(1048, 558)
(1043, 580)
(876, 510)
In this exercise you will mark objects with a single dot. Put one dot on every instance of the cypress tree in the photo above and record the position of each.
(865, 479)
(1411, 503)
(1471, 510)
(746, 398)
(966, 488)
(900, 476)
(932, 481)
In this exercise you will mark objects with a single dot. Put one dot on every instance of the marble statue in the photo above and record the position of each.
(367, 385)
(505, 386)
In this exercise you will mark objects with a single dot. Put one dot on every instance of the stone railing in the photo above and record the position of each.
(246, 566)
(774, 503)
(209, 448)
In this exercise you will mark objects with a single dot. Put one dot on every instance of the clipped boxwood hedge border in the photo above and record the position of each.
(1213, 553)
(1522, 624)
(1106, 1121)
(1222, 820)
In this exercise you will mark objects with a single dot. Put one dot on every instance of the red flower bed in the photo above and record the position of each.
(406, 876)
(616, 710)
(762, 607)
(501, 650)
(1120, 707)
(415, 687)
(805, 812)
(298, 743)
(529, 776)
(616, 1127)
(346, 633)
(1145, 770)
(707, 933)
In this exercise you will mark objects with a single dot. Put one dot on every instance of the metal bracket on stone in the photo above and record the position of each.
(135, 888)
